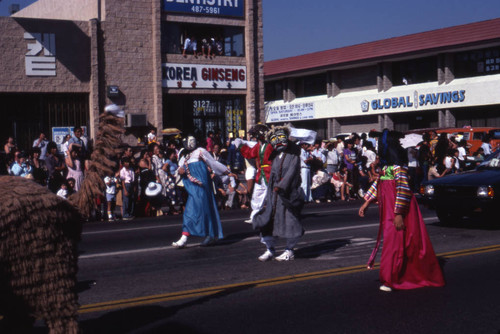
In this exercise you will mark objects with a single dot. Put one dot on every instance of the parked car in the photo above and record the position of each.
(466, 194)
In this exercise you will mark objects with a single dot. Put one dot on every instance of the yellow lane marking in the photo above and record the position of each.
(213, 290)
(256, 284)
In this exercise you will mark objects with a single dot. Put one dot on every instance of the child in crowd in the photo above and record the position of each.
(66, 188)
(339, 180)
(111, 183)
(63, 191)
(152, 137)
(127, 177)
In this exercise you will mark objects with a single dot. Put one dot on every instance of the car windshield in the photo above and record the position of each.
(493, 161)
(495, 134)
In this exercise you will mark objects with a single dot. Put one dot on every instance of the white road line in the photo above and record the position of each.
(130, 229)
(156, 249)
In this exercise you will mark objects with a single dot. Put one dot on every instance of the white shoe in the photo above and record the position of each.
(286, 256)
(248, 221)
(385, 288)
(267, 256)
(181, 243)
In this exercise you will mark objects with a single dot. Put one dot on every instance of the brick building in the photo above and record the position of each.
(66, 60)
(443, 78)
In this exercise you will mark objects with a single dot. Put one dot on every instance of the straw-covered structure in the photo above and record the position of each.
(39, 232)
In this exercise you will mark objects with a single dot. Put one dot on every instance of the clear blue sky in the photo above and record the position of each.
(295, 27)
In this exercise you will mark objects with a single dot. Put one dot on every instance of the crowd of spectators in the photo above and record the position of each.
(208, 47)
(343, 169)
(146, 183)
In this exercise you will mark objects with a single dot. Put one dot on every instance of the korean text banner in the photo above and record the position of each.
(206, 7)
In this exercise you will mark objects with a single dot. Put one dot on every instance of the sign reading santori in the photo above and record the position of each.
(204, 76)
(38, 64)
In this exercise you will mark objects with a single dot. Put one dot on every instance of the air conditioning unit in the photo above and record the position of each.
(133, 120)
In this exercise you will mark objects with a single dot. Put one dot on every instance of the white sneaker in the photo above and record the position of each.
(267, 256)
(385, 288)
(248, 221)
(286, 256)
(180, 243)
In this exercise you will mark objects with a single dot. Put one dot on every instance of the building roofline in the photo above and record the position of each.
(483, 31)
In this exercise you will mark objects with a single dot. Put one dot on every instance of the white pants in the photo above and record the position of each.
(258, 196)
(250, 173)
(305, 174)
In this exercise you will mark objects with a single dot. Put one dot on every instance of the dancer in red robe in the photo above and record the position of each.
(408, 260)
(261, 152)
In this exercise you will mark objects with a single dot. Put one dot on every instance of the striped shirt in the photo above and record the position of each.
(403, 192)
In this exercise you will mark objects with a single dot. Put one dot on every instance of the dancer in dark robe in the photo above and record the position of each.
(283, 203)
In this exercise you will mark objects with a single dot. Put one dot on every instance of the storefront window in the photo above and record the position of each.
(478, 62)
(414, 71)
(311, 85)
(199, 114)
(273, 90)
(233, 42)
(222, 40)
(315, 85)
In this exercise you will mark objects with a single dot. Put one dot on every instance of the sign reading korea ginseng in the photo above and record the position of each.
(193, 76)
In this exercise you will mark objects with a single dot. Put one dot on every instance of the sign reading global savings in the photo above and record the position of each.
(206, 7)
(203, 76)
(417, 100)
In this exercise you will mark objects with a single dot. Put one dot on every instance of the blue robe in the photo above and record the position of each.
(201, 217)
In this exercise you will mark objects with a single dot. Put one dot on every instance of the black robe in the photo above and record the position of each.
(280, 215)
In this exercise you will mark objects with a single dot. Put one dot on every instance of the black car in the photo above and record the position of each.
(466, 194)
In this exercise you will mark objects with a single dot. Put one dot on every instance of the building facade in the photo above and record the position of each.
(442, 78)
(67, 60)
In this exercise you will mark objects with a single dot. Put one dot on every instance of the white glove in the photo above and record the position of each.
(237, 142)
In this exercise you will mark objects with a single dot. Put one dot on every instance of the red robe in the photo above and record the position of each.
(408, 260)
(261, 156)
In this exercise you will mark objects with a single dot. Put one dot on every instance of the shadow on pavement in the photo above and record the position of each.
(147, 319)
(320, 249)
(235, 238)
(150, 319)
(84, 285)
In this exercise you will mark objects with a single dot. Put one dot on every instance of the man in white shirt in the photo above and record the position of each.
(319, 152)
(190, 46)
(486, 146)
(41, 142)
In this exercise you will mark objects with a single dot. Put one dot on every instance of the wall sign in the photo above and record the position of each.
(38, 63)
(290, 112)
(204, 76)
(206, 7)
(417, 100)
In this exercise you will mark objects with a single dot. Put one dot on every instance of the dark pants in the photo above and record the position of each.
(324, 191)
(128, 201)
